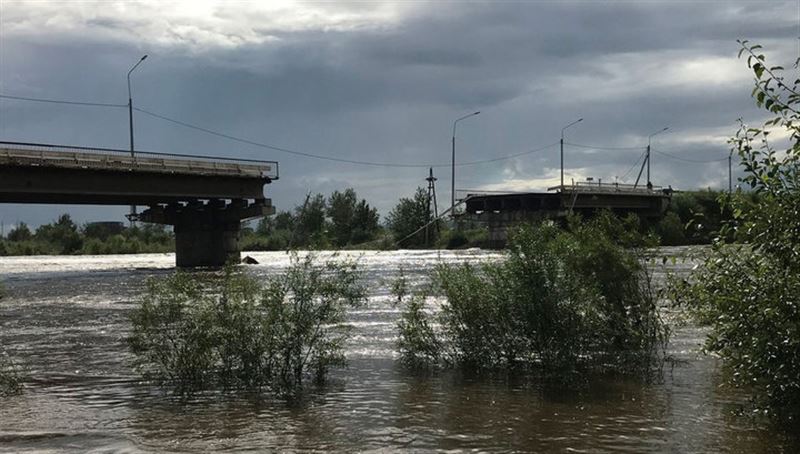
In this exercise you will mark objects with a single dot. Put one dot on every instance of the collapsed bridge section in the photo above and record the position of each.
(499, 211)
(204, 198)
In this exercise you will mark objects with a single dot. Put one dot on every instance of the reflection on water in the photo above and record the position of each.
(67, 319)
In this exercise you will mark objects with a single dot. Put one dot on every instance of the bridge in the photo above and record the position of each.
(204, 198)
(499, 211)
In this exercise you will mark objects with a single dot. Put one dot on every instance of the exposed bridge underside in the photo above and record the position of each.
(205, 199)
(499, 211)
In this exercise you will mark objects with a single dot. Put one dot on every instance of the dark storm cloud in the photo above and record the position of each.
(390, 92)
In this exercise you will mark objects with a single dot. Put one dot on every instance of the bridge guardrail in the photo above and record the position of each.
(104, 158)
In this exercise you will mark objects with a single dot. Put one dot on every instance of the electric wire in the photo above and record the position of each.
(636, 163)
(334, 159)
(273, 147)
(696, 161)
(330, 158)
(593, 147)
(61, 101)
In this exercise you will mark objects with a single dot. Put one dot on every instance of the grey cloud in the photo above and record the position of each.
(391, 93)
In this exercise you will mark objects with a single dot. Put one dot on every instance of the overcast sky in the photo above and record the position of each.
(383, 82)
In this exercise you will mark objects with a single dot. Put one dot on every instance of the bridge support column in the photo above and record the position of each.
(207, 234)
(206, 245)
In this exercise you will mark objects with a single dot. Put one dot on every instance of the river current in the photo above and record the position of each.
(66, 319)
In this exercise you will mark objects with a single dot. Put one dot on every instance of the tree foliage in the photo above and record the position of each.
(748, 293)
(352, 221)
(64, 237)
(10, 376)
(561, 300)
(409, 215)
(233, 332)
(20, 233)
(340, 220)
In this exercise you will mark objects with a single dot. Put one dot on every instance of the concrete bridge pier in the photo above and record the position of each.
(207, 235)
(206, 245)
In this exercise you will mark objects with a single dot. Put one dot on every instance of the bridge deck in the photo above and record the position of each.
(554, 204)
(35, 155)
(39, 173)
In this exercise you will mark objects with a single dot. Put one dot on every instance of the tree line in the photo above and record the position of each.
(65, 237)
(343, 220)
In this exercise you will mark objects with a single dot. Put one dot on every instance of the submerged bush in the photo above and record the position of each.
(10, 376)
(749, 294)
(234, 332)
(561, 300)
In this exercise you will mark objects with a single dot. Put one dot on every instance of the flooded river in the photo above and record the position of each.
(66, 319)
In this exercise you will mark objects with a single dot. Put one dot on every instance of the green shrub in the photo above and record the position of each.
(748, 293)
(561, 300)
(671, 230)
(456, 239)
(408, 216)
(464, 238)
(233, 332)
(10, 376)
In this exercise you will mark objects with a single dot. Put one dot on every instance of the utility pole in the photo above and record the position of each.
(453, 165)
(431, 200)
(649, 182)
(562, 148)
(130, 125)
(730, 173)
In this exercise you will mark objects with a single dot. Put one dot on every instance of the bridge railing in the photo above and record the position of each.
(613, 187)
(27, 153)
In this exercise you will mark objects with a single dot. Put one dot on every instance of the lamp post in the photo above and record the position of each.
(453, 166)
(730, 173)
(130, 122)
(562, 148)
(649, 183)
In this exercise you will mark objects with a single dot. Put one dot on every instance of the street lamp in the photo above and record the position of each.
(562, 148)
(130, 121)
(730, 173)
(649, 183)
(453, 167)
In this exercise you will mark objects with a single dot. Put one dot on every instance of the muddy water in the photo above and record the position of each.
(66, 319)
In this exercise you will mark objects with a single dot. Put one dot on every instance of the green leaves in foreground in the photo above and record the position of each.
(10, 376)
(231, 331)
(749, 294)
(560, 301)
(10, 373)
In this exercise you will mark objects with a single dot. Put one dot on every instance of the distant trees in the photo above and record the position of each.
(311, 225)
(65, 237)
(20, 233)
(340, 220)
(409, 215)
(352, 221)
(62, 236)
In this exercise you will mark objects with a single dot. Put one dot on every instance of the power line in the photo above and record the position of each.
(511, 156)
(329, 158)
(697, 161)
(625, 175)
(593, 147)
(272, 147)
(60, 101)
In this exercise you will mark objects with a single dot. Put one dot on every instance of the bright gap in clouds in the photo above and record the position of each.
(197, 25)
